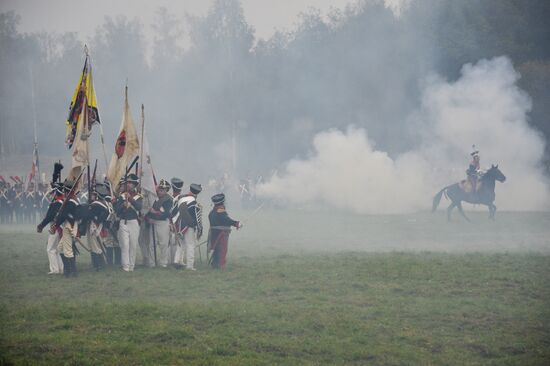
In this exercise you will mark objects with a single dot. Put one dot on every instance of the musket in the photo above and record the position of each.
(89, 184)
(93, 184)
(94, 174)
(77, 239)
(128, 169)
(69, 195)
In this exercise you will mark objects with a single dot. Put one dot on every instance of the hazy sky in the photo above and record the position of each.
(83, 17)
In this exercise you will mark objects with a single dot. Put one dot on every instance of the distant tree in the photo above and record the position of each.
(118, 54)
(17, 54)
(168, 36)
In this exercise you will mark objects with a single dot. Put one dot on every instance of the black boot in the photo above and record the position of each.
(73, 267)
(66, 265)
(100, 260)
(94, 260)
(117, 255)
(109, 256)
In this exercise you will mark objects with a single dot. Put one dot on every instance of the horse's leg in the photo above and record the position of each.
(492, 210)
(449, 209)
(459, 205)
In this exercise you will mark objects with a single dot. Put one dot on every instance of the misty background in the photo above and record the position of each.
(363, 108)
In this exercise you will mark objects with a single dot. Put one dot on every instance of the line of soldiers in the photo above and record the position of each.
(20, 206)
(167, 231)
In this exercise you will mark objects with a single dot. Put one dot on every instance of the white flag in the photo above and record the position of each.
(146, 169)
(126, 147)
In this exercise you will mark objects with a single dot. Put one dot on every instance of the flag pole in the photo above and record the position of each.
(141, 145)
(35, 125)
(87, 95)
(102, 139)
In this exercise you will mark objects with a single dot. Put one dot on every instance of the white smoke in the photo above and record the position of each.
(483, 107)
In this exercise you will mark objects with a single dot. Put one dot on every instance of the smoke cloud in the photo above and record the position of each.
(484, 107)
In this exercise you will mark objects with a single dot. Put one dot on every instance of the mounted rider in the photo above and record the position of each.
(473, 173)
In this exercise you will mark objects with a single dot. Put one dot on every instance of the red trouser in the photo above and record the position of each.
(220, 249)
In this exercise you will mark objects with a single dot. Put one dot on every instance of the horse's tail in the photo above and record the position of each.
(437, 198)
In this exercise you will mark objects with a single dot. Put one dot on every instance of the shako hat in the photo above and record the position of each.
(132, 178)
(176, 183)
(102, 190)
(58, 187)
(218, 198)
(164, 184)
(68, 185)
(195, 188)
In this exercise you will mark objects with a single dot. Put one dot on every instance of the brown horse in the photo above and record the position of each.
(485, 195)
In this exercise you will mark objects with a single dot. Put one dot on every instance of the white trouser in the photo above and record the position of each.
(93, 237)
(179, 249)
(172, 248)
(65, 245)
(190, 240)
(162, 235)
(128, 234)
(146, 245)
(56, 264)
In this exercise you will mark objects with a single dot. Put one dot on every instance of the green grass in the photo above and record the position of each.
(288, 305)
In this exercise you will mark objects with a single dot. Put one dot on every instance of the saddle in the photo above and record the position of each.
(466, 185)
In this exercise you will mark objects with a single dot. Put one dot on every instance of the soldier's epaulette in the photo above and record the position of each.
(220, 209)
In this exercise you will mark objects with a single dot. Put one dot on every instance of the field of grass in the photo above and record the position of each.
(392, 290)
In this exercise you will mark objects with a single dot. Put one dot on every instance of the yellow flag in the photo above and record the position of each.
(84, 90)
(80, 158)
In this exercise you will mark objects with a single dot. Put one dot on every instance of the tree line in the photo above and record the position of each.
(360, 66)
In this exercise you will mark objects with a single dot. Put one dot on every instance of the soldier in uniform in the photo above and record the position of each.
(66, 220)
(3, 201)
(10, 195)
(46, 197)
(175, 242)
(30, 203)
(188, 222)
(83, 195)
(473, 170)
(41, 200)
(158, 217)
(19, 203)
(109, 231)
(98, 215)
(56, 264)
(220, 228)
(127, 208)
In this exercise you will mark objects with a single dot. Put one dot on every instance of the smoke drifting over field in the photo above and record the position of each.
(484, 106)
(371, 107)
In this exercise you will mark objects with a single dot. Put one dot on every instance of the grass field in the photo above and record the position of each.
(300, 288)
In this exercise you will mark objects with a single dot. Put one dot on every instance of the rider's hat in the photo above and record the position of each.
(475, 152)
